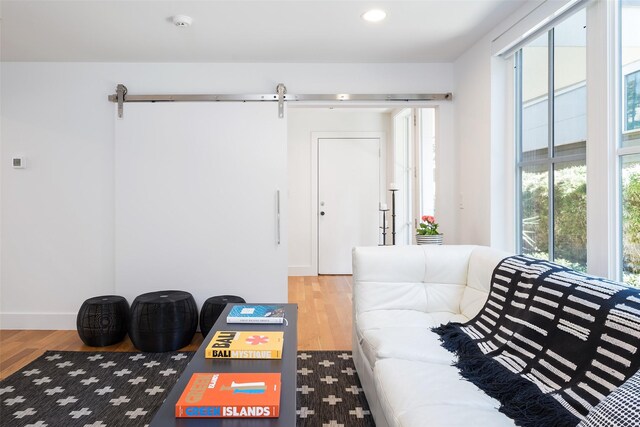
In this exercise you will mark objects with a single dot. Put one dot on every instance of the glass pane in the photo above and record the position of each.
(534, 205)
(535, 88)
(630, 57)
(402, 177)
(428, 161)
(631, 219)
(570, 214)
(570, 91)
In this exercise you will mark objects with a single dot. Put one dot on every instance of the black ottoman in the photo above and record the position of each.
(212, 308)
(163, 321)
(103, 320)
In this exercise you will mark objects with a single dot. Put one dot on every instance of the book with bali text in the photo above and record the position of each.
(245, 345)
(230, 395)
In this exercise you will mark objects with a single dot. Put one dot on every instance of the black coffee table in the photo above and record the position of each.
(287, 366)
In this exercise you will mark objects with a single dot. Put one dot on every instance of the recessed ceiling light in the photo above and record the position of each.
(374, 15)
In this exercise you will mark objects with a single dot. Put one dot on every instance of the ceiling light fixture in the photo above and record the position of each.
(182, 20)
(374, 15)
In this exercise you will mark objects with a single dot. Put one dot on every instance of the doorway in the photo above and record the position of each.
(348, 200)
(307, 125)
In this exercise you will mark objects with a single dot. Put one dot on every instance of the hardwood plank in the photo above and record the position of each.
(324, 323)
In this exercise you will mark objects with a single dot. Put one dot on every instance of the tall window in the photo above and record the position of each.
(427, 155)
(629, 145)
(551, 137)
(414, 169)
(402, 143)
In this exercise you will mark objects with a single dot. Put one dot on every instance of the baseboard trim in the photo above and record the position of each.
(38, 321)
(302, 270)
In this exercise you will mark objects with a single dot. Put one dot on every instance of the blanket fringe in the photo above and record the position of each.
(521, 400)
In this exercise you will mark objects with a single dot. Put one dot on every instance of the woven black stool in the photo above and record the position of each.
(103, 320)
(212, 308)
(163, 321)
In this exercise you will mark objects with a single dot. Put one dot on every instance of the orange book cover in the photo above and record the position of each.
(230, 395)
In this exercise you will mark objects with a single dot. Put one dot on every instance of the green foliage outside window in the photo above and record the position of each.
(631, 223)
(570, 213)
(570, 218)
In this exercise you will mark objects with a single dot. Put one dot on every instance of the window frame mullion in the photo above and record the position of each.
(551, 142)
(518, 151)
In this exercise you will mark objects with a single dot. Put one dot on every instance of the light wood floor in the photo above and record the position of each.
(324, 323)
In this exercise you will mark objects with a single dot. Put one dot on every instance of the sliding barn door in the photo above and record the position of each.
(200, 200)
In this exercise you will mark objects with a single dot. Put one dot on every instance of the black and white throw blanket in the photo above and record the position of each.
(550, 343)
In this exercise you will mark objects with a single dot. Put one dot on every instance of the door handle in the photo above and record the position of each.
(277, 217)
(322, 213)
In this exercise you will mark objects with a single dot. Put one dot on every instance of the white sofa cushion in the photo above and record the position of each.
(418, 394)
(380, 319)
(424, 263)
(482, 262)
(421, 278)
(388, 296)
(405, 334)
(446, 264)
(394, 264)
(456, 415)
(416, 343)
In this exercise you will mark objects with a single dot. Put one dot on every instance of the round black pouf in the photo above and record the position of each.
(163, 321)
(103, 320)
(212, 308)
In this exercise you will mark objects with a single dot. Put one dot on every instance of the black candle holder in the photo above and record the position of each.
(393, 215)
(384, 226)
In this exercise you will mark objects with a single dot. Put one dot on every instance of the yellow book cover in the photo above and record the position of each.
(245, 345)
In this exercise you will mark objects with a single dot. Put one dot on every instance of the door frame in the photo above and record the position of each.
(315, 136)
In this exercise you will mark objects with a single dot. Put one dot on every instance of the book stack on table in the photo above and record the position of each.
(219, 390)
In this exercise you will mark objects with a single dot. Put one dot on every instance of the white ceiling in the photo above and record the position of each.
(245, 31)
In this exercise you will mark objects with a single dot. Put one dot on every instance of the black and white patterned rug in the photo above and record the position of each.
(329, 391)
(105, 389)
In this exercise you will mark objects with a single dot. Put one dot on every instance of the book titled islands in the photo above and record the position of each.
(256, 314)
(245, 345)
(229, 395)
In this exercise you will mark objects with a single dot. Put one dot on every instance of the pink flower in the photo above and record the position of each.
(428, 226)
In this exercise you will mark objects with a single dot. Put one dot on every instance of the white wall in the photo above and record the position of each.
(447, 173)
(484, 131)
(303, 122)
(57, 215)
(472, 101)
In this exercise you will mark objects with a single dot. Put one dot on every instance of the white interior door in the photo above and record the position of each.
(196, 200)
(348, 196)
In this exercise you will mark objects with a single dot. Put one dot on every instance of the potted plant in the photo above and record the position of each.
(427, 233)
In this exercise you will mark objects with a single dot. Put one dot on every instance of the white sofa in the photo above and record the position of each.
(399, 294)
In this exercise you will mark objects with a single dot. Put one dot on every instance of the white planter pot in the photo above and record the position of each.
(435, 239)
